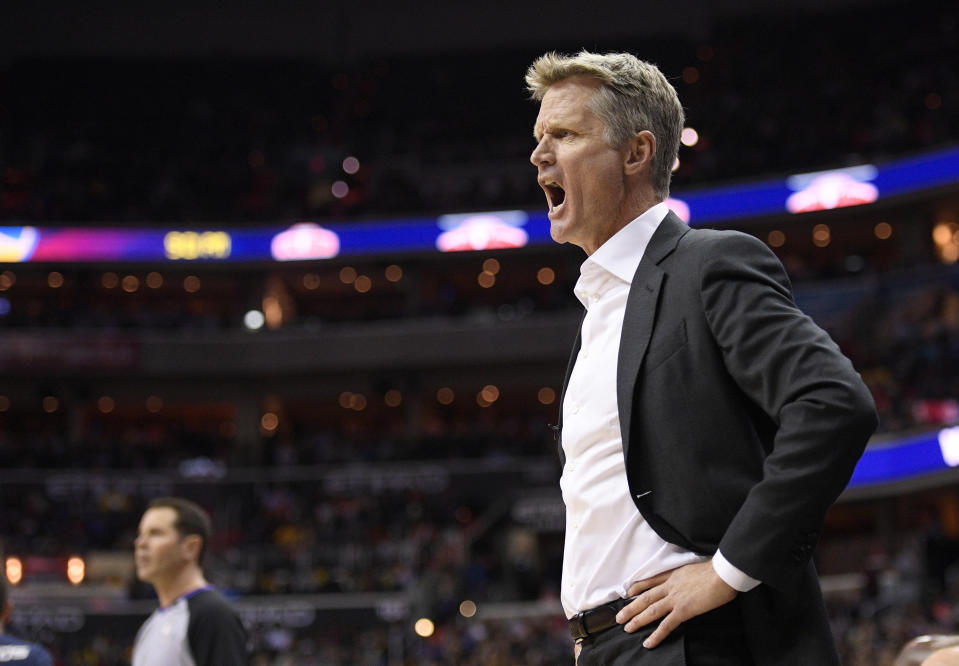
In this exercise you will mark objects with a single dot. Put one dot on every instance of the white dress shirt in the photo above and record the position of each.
(609, 545)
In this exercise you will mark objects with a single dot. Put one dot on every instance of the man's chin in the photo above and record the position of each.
(558, 231)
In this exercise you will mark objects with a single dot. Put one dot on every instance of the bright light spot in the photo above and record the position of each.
(486, 279)
(445, 396)
(467, 608)
(546, 396)
(545, 275)
(776, 238)
(821, 235)
(130, 284)
(106, 404)
(490, 393)
(482, 231)
(191, 283)
(154, 280)
(680, 207)
(825, 190)
(50, 404)
(676, 165)
(304, 240)
(351, 165)
(340, 189)
(949, 445)
(154, 404)
(424, 627)
(311, 281)
(394, 273)
(347, 275)
(883, 230)
(55, 280)
(7, 280)
(354, 401)
(689, 137)
(491, 266)
(76, 570)
(109, 280)
(269, 421)
(254, 320)
(272, 312)
(363, 284)
(14, 570)
(690, 74)
(944, 232)
(393, 398)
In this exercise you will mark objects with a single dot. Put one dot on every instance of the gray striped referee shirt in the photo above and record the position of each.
(198, 629)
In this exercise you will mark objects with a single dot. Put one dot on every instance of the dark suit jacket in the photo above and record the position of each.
(741, 423)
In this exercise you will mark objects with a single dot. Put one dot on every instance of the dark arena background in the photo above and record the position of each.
(292, 263)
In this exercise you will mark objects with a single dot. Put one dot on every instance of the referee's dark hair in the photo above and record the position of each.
(190, 519)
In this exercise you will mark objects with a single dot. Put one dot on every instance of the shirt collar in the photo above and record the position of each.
(621, 254)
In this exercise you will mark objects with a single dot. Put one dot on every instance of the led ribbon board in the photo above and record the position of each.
(908, 458)
(306, 241)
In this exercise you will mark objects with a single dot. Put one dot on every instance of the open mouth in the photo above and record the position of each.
(556, 195)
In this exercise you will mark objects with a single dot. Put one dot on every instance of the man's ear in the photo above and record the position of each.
(641, 149)
(192, 544)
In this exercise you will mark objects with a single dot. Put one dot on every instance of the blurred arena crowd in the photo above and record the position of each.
(153, 141)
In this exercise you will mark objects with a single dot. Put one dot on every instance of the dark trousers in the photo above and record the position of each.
(717, 638)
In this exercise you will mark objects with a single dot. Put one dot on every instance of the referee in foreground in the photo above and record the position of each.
(194, 624)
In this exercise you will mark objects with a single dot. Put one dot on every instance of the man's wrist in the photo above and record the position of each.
(732, 575)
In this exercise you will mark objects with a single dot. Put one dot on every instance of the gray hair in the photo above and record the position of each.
(633, 96)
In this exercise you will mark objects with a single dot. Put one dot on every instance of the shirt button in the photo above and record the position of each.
(596, 297)
(585, 353)
(575, 409)
(572, 583)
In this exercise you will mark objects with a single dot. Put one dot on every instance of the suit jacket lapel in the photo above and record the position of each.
(640, 316)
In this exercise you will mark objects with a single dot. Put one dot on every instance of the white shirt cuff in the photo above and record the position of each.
(733, 577)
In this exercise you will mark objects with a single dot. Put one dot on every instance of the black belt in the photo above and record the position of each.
(595, 620)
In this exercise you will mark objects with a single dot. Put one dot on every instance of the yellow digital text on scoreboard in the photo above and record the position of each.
(189, 245)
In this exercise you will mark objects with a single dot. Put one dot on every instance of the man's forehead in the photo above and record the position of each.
(566, 100)
(160, 516)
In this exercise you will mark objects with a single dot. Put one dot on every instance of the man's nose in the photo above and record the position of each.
(541, 154)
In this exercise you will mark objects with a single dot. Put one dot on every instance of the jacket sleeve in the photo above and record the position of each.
(795, 373)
